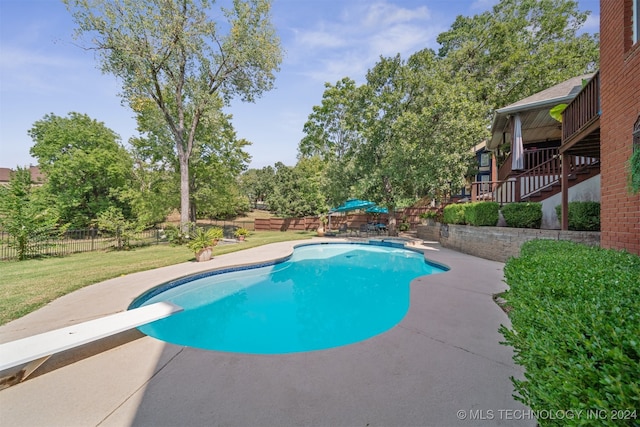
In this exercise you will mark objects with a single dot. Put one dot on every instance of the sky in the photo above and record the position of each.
(43, 70)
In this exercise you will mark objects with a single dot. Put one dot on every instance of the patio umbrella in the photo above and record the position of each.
(377, 210)
(517, 149)
(352, 205)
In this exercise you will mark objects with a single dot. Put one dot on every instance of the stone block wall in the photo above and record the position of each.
(498, 243)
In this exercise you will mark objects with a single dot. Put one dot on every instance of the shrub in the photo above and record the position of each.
(523, 215)
(176, 236)
(583, 216)
(634, 171)
(241, 232)
(123, 230)
(575, 319)
(454, 214)
(202, 238)
(482, 213)
(429, 215)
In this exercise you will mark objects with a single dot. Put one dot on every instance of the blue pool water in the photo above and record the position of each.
(323, 296)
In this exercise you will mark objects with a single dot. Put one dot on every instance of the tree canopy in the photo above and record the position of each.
(409, 130)
(26, 213)
(519, 48)
(297, 191)
(173, 53)
(86, 167)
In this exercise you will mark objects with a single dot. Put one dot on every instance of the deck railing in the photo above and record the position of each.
(495, 191)
(583, 109)
(540, 176)
(505, 169)
(530, 182)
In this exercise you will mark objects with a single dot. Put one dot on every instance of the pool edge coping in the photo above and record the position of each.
(173, 283)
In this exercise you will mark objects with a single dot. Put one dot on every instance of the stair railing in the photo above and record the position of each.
(529, 182)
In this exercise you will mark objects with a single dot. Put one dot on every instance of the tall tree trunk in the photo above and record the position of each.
(184, 192)
(392, 226)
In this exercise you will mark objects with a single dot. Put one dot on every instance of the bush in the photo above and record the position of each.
(523, 215)
(204, 238)
(482, 213)
(454, 214)
(123, 230)
(176, 236)
(575, 318)
(634, 171)
(583, 216)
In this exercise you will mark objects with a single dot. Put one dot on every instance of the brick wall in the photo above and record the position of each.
(499, 243)
(620, 104)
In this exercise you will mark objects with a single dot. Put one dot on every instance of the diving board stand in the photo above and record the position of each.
(37, 349)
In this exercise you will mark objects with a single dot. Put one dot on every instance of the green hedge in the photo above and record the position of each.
(523, 215)
(583, 216)
(575, 316)
(454, 214)
(482, 213)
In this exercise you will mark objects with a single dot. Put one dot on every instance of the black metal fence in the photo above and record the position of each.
(89, 239)
(73, 241)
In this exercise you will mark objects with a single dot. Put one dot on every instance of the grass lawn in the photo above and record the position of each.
(28, 285)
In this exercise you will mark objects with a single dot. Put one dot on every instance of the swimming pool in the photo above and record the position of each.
(322, 296)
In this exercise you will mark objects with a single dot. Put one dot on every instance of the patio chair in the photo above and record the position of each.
(364, 229)
(343, 229)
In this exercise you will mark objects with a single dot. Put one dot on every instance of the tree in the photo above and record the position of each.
(297, 190)
(172, 53)
(218, 157)
(331, 134)
(26, 214)
(519, 48)
(154, 192)
(329, 131)
(257, 184)
(87, 169)
(412, 126)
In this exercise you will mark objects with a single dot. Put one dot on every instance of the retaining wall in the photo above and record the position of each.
(497, 243)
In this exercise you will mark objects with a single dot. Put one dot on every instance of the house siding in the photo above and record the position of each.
(620, 102)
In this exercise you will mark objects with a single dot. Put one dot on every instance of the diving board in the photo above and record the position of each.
(36, 349)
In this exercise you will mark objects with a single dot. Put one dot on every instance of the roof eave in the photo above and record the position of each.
(504, 112)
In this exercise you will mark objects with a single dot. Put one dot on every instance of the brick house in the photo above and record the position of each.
(37, 176)
(601, 122)
(620, 121)
(536, 176)
(606, 115)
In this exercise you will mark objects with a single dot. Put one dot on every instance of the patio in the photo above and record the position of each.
(442, 365)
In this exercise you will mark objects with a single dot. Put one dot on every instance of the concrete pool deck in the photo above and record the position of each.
(442, 365)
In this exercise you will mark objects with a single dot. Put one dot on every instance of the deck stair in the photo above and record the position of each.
(538, 182)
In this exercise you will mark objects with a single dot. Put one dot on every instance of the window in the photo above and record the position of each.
(636, 135)
(485, 187)
(484, 157)
(635, 21)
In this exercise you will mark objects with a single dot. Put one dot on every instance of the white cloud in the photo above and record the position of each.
(383, 14)
(319, 39)
(18, 58)
(362, 32)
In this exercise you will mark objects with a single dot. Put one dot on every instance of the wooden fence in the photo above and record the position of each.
(353, 220)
